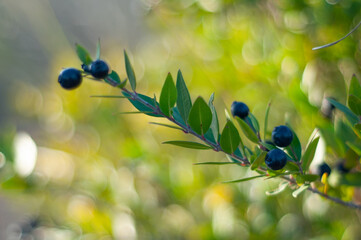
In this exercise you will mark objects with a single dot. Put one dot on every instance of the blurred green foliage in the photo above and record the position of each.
(101, 175)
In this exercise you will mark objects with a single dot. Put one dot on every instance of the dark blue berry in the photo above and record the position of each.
(70, 78)
(322, 169)
(276, 159)
(99, 69)
(239, 109)
(282, 136)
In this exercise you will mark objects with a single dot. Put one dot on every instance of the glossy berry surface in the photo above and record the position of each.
(99, 69)
(282, 136)
(70, 78)
(322, 169)
(239, 109)
(276, 159)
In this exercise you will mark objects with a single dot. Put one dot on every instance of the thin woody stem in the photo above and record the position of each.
(216, 147)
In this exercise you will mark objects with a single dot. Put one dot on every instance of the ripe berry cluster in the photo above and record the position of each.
(71, 78)
(282, 136)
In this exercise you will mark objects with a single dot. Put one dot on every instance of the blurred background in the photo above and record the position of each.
(71, 167)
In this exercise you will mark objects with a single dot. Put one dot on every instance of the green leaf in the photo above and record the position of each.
(237, 153)
(344, 131)
(266, 120)
(300, 190)
(254, 121)
(246, 179)
(113, 79)
(309, 153)
(166, 125)
(248, 132)
(187, 144)
(83, 55)
(230, 138)
(351, 179)
(353, 118)
(141, 106)
(228, 116)
(168, 96)
(355, 87)
(259, 160)
(355, 104)
(184, 102)
(268, 146)
(177, 116)
(98, 50)
(278, 190)
(215, 163)
(215, 122)
(291, 166)
(200, 116)
(130, 71)
(357, 128)
(295, 148)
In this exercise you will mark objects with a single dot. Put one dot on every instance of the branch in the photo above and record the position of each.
(333, 43)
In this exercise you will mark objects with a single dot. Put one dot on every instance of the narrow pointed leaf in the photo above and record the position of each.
(83, 55)
(166, 125)
(353, 118)
(247, 130)
(168, 96)
(187, 144)
(246, 179)
(278, 190)
(200, 116)
(236, 153)
(130, 71)
(355, 104)
(309, 153)
(215, 122)
(177, 116)
(259, 160)
(123, 83)
(141, 106)
(254, 121)
(309, 177)
(268, 146)
(230, 138)
(266, 120)
(295, 148)
(300, 190)
(215, 163)
(98, 50)
(184, 102)
(113, 79)
(355, 87)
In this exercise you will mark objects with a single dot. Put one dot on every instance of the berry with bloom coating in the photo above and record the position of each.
(99, 69)
(276, 159)
(322, 169)
(282, 136)
(239, 109)
(70, 78)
